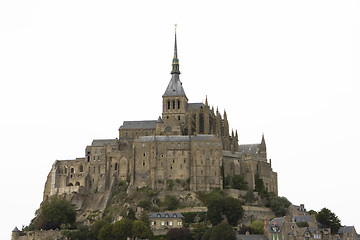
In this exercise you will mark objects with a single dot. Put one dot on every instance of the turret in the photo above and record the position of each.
(262, 148)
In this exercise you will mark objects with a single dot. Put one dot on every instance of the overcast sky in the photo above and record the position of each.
(73, 71)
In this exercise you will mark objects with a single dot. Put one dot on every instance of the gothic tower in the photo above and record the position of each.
(174, 98)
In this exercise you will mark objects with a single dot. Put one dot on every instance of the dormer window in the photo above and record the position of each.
(158, 215)
(166, 215)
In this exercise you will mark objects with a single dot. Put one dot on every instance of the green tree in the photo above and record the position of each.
(171, 202)
(329, 219)
(259, 186)
(279, 205)
(222, 231)
(55, 212)
(105, 232)
(228, 206)
(146, 204)
(131, 214)
(122, 229)
(233, 210)
(145, 218)
(257, 227)
(249, 196)
(238, 182)
(199, 230)
(95, 228)
(140, 230)
(82, 233)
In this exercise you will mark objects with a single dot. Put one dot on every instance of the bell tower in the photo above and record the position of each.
(174, 99)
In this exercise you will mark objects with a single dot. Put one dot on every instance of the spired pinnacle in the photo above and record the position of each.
(175, 61)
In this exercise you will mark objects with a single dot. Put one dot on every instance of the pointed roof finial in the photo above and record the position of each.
(206, 101)
(175, 61)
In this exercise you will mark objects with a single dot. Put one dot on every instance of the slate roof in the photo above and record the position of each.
(302, 218)
(165, 215)
(102, 142)
(175, 87)
(250, 237)
(346, 229)
(174, 138)
(244, 148)
(276, 224)
(139, 124)
(194, 106)
(203, 137)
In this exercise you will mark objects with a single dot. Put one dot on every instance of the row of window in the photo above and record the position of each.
(173, 104)
(166, 223)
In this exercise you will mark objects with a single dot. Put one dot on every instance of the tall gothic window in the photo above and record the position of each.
(173, 104)
(178, 104)
(168, 104)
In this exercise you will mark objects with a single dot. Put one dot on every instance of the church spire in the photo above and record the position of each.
(175, 61)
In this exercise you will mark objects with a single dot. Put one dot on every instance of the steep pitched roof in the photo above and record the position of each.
(302, 218)
(244, 148)
(193, 106)
(102, 142)
(174, 87)
(138, 124)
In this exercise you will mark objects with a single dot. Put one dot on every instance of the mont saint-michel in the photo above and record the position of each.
(182, 175)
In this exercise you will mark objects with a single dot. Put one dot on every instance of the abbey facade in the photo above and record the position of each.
(190, 143)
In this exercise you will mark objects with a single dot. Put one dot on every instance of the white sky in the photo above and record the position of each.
(73, 71)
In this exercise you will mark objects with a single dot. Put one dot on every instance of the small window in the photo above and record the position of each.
(179, 117)
(166, 215)
(81, 168)
(168, 105)
(116, 166)
(179, 145)
(178, 105)
(174, 215)
(72, 170)
(144, 162)
(143, 145)
(173, 103)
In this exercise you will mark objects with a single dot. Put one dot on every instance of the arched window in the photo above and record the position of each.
(168, 104)
(65, 169)
(81, 168)
(178, 104)
(77, 184)
(72, 170)
(173, 104)
(70, 185)
(116, 166)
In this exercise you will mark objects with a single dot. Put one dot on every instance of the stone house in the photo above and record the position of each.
(162, 222)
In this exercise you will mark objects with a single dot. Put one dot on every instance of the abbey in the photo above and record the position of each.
(190, 143)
